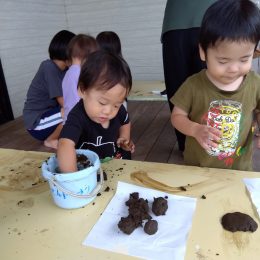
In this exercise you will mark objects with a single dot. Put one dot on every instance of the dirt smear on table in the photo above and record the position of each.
(24, 175)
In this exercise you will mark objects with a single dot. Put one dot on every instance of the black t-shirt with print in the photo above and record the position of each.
(87, 134)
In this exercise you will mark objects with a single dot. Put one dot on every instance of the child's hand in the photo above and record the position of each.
(127, 145)
(207, 136)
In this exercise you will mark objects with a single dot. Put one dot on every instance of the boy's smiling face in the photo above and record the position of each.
(103, 105)
(228, 62)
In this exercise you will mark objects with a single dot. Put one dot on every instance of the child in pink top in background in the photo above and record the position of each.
(78, 50)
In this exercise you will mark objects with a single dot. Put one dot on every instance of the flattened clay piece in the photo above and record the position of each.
(151, 227)
(160, 206)
(127, 225)
(238, 221)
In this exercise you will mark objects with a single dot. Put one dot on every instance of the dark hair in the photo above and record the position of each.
(232, 20)
(109, 41)
(59, 44)
(104, 70)
(81, 46)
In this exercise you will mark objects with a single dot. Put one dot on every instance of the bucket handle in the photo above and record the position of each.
(85, 196)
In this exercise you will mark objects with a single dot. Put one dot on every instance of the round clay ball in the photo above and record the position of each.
(127, 225)
(151, 227)
(160, 206)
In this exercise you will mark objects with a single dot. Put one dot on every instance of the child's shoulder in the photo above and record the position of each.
(254, 75)
(196, 78)
(49, 67)
(47, 64)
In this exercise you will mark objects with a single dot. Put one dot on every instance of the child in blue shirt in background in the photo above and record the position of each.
(43, 107)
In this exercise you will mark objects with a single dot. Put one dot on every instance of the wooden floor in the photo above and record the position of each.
(152, 134)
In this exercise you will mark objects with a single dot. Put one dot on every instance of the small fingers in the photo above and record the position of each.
(209, 144)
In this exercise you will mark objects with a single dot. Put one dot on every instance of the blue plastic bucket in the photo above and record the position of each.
(77, 189)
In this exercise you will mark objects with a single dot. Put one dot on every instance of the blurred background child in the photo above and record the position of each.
(98, 122)
(78, 50)
(110, 41)
(43, 107)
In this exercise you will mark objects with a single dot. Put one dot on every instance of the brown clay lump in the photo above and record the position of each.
(138, 208)
(160, 206)
(238, 221)
(151, 227)
(138, 211)
(127, 225)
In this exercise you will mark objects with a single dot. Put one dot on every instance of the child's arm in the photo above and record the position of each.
(123, 140)
(66, 155)
(205, 135)
(60, 100)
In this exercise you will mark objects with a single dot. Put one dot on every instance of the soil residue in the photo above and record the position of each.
(26, 203)
(23, 175)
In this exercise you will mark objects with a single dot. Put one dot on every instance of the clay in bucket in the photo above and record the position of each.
(77, 189)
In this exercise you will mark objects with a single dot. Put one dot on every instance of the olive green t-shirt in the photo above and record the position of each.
(184, 14)
(229, 111)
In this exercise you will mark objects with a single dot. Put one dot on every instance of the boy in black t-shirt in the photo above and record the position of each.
(99, 121)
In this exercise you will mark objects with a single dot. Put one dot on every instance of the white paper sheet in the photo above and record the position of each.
(253, 186)
(168, 243)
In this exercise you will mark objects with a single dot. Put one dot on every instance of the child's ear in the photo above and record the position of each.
(80, 93)
(202, 53)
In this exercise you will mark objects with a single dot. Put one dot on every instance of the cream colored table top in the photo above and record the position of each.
(142, 90)
(33, 227)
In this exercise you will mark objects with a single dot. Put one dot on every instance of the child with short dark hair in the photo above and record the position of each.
(109, 41)
(43, 108)
(214, 108)
(98, 122)
(78, 50)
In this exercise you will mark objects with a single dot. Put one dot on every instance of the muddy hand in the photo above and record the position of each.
(127, 145)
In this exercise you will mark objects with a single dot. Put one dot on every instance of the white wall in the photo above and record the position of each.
(27, 27)
(137, 22)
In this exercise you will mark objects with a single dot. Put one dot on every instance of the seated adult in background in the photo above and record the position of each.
(180, 45)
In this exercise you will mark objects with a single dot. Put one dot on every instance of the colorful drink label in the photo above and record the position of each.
(225, 115)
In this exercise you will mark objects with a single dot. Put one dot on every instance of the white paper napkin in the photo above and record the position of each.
(253, 186)
(168, 243)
